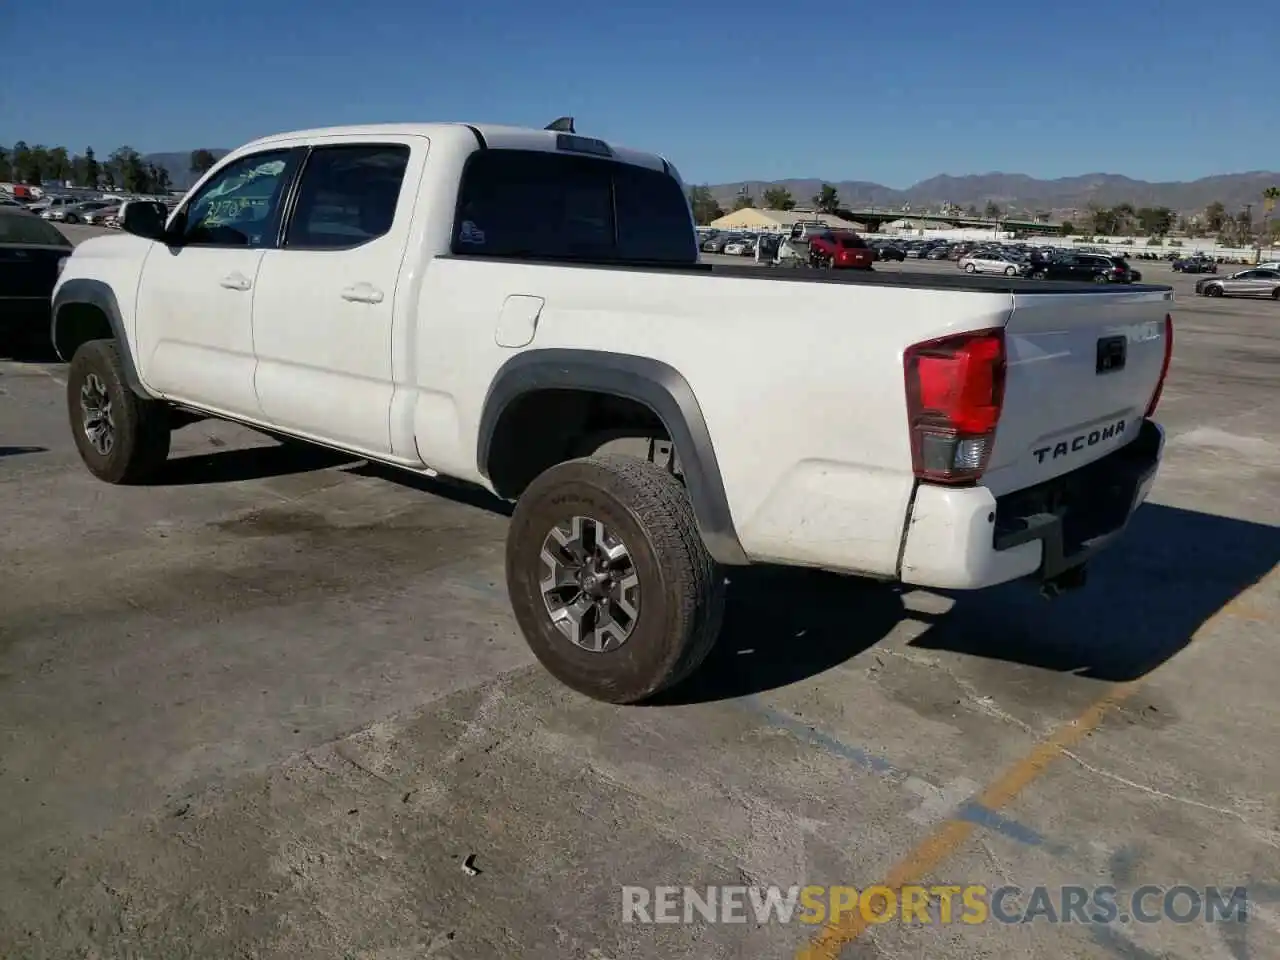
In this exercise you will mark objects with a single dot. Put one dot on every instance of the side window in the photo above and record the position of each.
(347, 196)
(239, 206)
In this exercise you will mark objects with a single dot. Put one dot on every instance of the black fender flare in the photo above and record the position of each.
(100, 295)
(651, 382)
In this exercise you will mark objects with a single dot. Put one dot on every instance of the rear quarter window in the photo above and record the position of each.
(533, 205)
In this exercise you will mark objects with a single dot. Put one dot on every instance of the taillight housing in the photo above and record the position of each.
(1164, 367)
(955, 392)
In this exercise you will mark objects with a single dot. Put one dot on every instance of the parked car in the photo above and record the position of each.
(1196, 264)
(56, 208)
(1087, 267)
(889, 251)
(989, 263)
(541, 357)
(32, 253)
(840, 251)
(717, 243)
(740, 247)
(939, 252)
(99, 216)
(81, 211)
(1247, 283)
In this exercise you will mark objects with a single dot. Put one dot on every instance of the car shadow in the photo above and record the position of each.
(464, 493)
(1145, 599)
(19, 451)
(27, 349)
(787, 624)
(255, 463)
(1170, 573)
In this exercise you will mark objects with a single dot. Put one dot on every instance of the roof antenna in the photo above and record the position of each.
(563, 124)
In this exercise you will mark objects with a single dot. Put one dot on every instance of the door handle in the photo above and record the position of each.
(236, 281)
(362, 293)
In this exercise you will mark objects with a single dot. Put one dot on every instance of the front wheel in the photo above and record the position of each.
(1214, 291)
(609, 579)
(1275, 294)
(970, 268)
(1010, 271)
(122, 437)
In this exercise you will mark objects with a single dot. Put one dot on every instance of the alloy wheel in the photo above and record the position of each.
(590, 585)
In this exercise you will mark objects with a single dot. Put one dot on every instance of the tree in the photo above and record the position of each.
(992, 210)
(6, 164)
(91, 170)
(1215, 216)
(1066, 228)
(201, 161)
(827, 200)
(160, 182)
(130, 171)
(973, 210)
(744, 200)
(1270, 197)
(705, 208)
(1104, 220)
(1155, 221)
(778, 198)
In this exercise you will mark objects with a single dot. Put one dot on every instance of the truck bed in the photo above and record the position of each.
(960, 281)
(978, 283)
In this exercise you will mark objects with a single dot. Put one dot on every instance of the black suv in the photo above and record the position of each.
(1089, 267)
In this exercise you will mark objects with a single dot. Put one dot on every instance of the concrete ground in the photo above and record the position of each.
(268, 707)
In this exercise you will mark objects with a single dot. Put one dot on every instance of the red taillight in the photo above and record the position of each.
(1164, 367)
(955, 389)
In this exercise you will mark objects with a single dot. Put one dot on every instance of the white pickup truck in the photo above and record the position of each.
(525, 310)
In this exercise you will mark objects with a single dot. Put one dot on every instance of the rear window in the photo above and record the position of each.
(530, 204)
(852, 241)
(23, 227)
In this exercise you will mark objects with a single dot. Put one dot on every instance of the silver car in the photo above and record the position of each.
(987, 262)
(1247, 283)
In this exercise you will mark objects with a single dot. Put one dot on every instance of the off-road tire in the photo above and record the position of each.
(681, 589)
(141, 426)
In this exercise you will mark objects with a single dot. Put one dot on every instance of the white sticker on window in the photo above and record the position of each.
(470, 233)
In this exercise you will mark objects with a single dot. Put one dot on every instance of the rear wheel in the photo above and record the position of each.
(1101, 278)
(1275, 294)
(1010, 271)
(609, 579)
(121, 437)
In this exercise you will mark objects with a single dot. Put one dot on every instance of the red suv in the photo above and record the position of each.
(845, 250)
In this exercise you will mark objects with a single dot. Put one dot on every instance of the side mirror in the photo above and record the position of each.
(144, 218)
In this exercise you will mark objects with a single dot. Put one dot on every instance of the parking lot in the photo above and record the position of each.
(269, 707)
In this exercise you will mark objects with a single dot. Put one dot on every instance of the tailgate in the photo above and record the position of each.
(1082, 367)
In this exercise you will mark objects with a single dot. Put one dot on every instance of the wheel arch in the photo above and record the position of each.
(85, 310)
(651, 384)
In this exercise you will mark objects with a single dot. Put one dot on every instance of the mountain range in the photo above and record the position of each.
(1011, 191)
(1019, 192)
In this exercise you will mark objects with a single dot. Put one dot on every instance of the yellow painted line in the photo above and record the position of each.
(949, 836)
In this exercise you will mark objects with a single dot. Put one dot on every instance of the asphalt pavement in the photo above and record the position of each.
(269, 706)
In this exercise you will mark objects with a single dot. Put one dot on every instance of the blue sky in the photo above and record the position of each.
(888, 92)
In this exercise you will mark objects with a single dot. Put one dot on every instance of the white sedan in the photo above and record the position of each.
(990, 263)
(739, 248)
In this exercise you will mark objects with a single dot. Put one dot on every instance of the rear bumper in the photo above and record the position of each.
(964, 539)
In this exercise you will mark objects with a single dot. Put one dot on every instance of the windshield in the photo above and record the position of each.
(25, 228)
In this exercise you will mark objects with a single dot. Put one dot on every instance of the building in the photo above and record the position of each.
(778, 221)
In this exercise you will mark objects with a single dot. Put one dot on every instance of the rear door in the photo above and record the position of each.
(326, 299)
(1082, 368)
